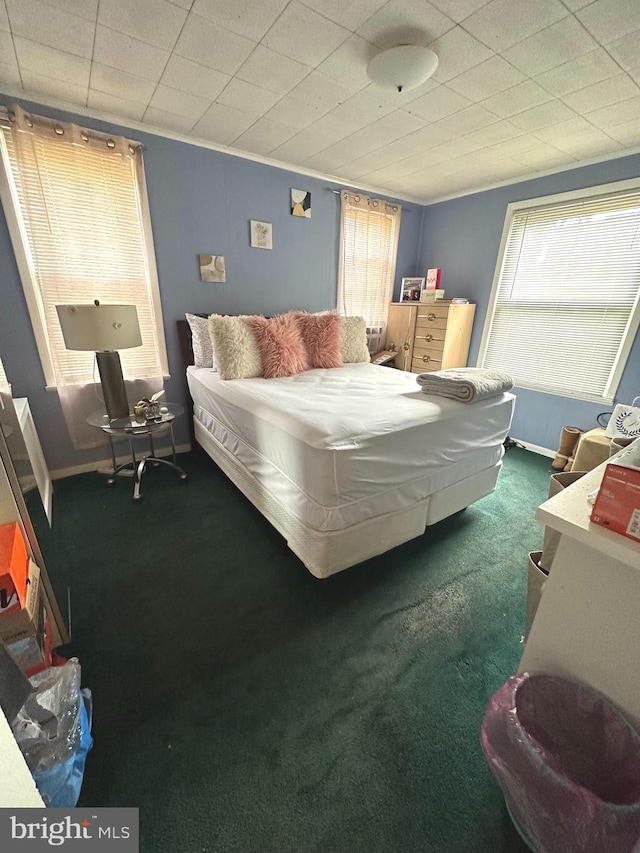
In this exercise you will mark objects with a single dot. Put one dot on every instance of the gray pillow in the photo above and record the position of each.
(201, 341)
(236, 350)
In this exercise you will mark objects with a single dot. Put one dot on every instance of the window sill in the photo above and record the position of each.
(165, 376)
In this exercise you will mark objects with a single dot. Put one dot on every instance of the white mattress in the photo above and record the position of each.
(337, 447)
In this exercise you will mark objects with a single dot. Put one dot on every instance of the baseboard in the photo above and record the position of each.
(535, 448)
(60, 473)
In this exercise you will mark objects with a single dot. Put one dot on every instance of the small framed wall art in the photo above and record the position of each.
(411, 289)
(212, 268)
(301, 203)
(261, 234)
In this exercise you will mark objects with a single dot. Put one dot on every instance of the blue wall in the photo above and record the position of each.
(462, 237)
(201, 201)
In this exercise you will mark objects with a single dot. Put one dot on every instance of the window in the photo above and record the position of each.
(368, 249)
(564, 309)
(78, 215)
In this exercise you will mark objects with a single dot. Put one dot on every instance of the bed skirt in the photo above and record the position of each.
(326, 552)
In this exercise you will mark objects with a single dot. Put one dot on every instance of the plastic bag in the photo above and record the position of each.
(60, 785)
(568, 764)
(47, 727)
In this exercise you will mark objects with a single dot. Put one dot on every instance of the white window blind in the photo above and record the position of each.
(368, 250)
(82, 232)
(566, 304)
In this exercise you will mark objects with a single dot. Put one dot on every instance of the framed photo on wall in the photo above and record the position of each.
(411, 289)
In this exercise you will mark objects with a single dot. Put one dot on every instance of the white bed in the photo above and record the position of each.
(349, 462)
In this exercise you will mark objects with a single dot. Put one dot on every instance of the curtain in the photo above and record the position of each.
(78, 197)
(369, 230)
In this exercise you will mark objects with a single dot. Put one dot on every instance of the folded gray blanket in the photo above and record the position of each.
(466, 384)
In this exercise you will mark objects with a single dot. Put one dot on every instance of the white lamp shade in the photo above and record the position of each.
(402, 68)
(99, 327)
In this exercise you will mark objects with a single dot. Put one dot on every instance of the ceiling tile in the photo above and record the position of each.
(384, 156)
(608, 20)
(9, 74)
(116, 106)
(348, 64)
(574, 5)
(493, 133)
(193, 78)
(517, 145)
(437, 104)
(155, 22)
(293, 113)
(203, 42)
(486, 79)
(405, 22)
(503, 23)
(427, 137)
(625, 50)
(298, 149)
(222, 124)
(522, 97)
(263, 136)
(553, 46)
(578, 73)
(348, 13)
(590, 145)
(119, 83)
(127, 54)
(272, 70)
(457, 51)
(361, 109)
(167, 121)
(303, 35)
(4, 18)
(458, 10)
(47, 61)
(401, 99)
(246, 97)
(245, 17)
(455, 148)
(543, 156)
(318, 89)
(609, 117)
(184, 4)
(331, 159)
(84, 8)
(555, 134)
(179, 103)
(627, 133)
(543, 115)
(383, 131)
(467, 120)
(44, 24)
(44, 84)
(7, 51)
(611, 91)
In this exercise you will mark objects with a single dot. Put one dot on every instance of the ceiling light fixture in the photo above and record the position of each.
(402, 68)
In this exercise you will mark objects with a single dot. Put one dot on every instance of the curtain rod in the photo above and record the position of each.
(337, 192)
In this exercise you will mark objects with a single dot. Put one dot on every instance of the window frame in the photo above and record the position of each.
(629, 337)
(10, 205)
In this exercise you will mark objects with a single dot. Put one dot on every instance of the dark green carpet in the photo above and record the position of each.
(243, 705)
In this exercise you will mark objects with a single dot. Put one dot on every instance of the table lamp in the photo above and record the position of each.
(104, 329)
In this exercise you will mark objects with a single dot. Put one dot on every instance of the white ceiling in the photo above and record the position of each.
(523, 86)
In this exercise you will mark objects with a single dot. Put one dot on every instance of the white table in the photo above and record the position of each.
(587, 626)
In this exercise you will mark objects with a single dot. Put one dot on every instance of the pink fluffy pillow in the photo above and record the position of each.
(321, 336)
(281, 346)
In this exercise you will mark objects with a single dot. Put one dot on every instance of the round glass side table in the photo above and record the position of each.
(132, 428)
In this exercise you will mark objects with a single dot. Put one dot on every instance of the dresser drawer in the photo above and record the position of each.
(431, 338)
(432, 317)
(426, 361)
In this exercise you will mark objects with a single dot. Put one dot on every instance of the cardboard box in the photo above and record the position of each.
(617, 505)
(29, 620)
(431, 296)
(13, 568)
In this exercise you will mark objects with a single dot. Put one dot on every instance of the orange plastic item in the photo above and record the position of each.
(13, 568)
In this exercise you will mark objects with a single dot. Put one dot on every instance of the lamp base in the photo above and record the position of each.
(113, 387)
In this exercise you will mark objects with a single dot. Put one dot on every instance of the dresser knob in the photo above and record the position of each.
(431, 316)
(426, 358)
(428, 338)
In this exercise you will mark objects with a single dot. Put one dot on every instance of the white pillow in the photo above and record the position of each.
(234, 346)
(201, 341)
(353, 340)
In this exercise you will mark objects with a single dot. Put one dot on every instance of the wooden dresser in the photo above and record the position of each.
(429, 337)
